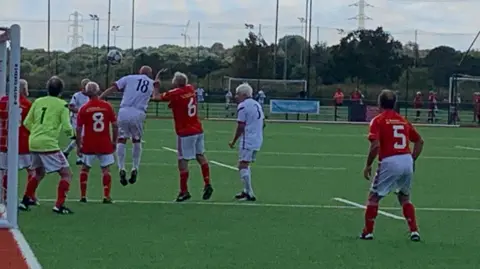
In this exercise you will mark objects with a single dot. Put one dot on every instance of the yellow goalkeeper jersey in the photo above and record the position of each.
(47, 117)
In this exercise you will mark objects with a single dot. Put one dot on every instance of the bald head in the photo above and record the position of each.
(92, 89)
(179, 79)
(23, 87)
(387, 99)
(145, 70)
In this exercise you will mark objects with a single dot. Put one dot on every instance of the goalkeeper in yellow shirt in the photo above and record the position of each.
(47, 117)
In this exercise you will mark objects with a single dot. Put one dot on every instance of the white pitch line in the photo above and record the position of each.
(257, 204)
(311, 128)
(269, 166)
(243, 204)
(27, 252)
(467, 148)
(381, 212)
(319, 154)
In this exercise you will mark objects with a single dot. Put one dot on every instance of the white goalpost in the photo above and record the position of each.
(10, 68)
(466, 85)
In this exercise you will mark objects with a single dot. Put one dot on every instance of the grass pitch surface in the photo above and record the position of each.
(296, 223)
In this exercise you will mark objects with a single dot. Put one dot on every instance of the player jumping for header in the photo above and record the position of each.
(190, 139)
(46, 118)
(137, 90)
(390, 135)
(250, 126)
(94, 120)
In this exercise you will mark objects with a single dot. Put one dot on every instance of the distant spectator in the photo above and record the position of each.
(432, 106)
(338, 97)
(476, 107)
(418, 104)
(357, 96)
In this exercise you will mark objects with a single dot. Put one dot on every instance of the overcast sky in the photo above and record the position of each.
(438, 22)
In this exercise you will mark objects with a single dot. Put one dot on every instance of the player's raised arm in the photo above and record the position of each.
(243, 92)
(178, 79)
(119, 85)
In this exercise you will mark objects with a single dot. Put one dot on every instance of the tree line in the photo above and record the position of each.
(368, 59)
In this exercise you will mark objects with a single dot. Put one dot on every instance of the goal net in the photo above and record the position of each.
(9, 124)
(462, 94)
(271, 87)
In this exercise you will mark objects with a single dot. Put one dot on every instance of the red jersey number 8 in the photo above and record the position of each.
(192, 108)
(98, 122)
(400, 138)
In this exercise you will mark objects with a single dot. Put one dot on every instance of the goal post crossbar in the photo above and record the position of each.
(269, 80)
(11, 35)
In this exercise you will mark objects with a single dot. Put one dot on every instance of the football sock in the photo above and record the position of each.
(107, 183)
(136, 155)
(83, 183)
(4, 186)
(370, 214)
(205, 173)
(62, 190)
(409, 214)
(70, 146)
(183, 181)
(121, 156)
(31, 188)
(247, 181)
(30, 177)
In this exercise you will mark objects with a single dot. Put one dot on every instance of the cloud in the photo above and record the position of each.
(430, 23)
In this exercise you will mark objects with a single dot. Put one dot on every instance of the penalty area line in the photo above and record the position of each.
(277, 205)
(384, 213)
(467, 148)
(214, 162)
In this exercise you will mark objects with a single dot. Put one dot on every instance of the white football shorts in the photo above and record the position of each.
(393, 173)
(24, 161)
(188, 147)
(130, 123)
(247, 155)
(104, 159)
(51, 162)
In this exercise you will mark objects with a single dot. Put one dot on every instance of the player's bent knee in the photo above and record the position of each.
(403, 198)
(201, 159)
(374, 198)
(121, 140)
(243, 164)
(65, 173)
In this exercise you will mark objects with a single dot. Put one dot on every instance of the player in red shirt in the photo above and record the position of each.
(417, 104)
(95, 119)
(24, 158)
(390, 135)
(190, 139)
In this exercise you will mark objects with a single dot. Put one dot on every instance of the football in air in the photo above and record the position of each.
(114, 57)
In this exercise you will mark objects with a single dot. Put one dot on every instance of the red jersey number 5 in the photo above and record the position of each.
(98, 122)
(400, 138)
(192, 108)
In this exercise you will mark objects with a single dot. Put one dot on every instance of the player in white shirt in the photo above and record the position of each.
(228, 102)
(249, 131)
(137, 90)
(199, 93)
(261, 97)
(77, 101)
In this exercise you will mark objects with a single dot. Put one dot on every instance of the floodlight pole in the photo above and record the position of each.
(107, 80)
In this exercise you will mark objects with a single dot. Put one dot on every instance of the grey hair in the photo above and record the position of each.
(23, 84)
(244, 89)
(84, 82)
(179, 76)
(92, 88)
